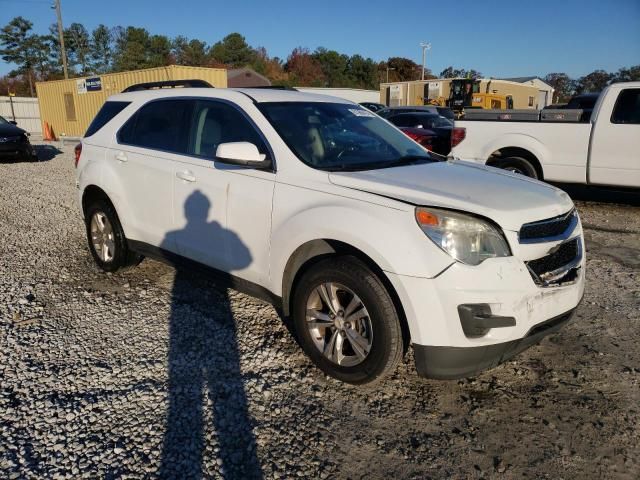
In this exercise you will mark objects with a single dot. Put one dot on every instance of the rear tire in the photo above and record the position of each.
(107, 242)
(359, 317)
(518, 165)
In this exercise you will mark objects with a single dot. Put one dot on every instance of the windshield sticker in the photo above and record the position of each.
(361, 112)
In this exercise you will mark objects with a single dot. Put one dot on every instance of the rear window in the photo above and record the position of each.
(627, 109)
(106, 113)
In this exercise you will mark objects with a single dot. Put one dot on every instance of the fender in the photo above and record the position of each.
(372, 229)
(520, 140)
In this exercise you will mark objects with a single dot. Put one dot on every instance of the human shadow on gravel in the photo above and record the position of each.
(205, 381)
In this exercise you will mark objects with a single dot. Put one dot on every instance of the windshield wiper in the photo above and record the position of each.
(398, 162)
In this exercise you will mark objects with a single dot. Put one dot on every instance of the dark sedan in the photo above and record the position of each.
(430, 130)
(14, 142)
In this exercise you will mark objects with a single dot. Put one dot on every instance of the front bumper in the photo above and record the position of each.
(16, 149)
(521, 311)
(447, 363)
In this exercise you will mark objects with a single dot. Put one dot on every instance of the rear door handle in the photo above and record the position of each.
(121, 157)
(186, 175)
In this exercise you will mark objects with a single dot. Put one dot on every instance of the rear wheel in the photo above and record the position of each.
(346, 321)
(518, 165)
(106, 238)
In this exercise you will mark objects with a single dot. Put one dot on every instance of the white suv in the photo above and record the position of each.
(340, 220)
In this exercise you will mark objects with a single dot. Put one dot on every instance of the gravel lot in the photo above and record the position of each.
(152, 373)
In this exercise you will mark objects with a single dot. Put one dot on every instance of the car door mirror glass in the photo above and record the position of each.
(240, 153)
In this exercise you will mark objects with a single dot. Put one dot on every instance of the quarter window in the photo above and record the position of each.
(627, 109)
(214, 123)
(158, 125)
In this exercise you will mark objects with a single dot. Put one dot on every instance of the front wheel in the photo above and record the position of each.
(518, 165)
(106, 238)
(346, 321)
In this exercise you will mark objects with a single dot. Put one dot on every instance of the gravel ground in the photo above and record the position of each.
(152, 373)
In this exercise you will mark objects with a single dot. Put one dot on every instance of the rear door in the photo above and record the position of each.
(614, 157)
(143, 156)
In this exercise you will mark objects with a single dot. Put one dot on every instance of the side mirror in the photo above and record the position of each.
(241, 153)
(13, 122)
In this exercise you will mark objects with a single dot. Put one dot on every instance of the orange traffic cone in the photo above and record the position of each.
(48, 134)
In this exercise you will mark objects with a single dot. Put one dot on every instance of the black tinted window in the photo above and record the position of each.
(403, 120)
(627, 109)
(214, 123)
(158, 125)
(106, 113)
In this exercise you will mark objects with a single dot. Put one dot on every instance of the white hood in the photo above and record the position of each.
(508, 199)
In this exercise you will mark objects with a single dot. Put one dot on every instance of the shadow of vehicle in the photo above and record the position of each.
(46, 152)
(590, 193)
(205, 381)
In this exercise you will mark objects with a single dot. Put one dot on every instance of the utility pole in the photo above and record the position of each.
(388, 73)
(425, 47)
(63, 52)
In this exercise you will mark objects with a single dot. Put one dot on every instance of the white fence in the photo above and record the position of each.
(25, 111)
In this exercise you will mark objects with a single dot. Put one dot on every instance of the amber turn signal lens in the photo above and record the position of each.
(426, 218)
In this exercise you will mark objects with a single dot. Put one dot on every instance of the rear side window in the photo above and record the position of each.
(104, 116)
(214, 123)
(627, 109)
(158, 125)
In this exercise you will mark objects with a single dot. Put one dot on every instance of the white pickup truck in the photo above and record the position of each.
(603, 151)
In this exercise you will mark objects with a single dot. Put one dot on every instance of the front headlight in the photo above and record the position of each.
(466, 238)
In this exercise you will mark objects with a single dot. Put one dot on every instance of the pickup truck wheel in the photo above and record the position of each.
(346, 321)
(107, 242)
(518, 165)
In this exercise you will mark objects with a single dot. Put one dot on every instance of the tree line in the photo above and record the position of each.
(109, 50)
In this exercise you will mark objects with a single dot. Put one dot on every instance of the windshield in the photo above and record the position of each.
(338, 136)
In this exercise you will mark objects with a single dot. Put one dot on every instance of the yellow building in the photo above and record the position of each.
(68, 106)
(426, 92)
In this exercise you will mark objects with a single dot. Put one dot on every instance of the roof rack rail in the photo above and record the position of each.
(193, 83)
(274, 87)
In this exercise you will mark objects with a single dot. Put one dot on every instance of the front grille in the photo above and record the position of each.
(546, 230)
(557, 267)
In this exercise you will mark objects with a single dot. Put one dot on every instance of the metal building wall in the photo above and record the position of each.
(55, 98)
(26, 110)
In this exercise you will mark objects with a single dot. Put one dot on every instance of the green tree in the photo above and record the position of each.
(593, 82)
(363, 72)
(451, 72)
(400, 69)
(101, 49)
(135, 49)
(78, 46)
(189, 52)
(334, 67)
(233, 50)
(630, 74)
(17, 46)
(563, 85)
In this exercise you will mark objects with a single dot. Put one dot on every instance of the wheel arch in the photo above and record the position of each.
(496, 156)
(92, 193)
(311, 252)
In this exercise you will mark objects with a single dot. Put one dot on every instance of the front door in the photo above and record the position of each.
(223, 212)
(614, 157)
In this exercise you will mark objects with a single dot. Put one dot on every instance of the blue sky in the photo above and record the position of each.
(498, 38)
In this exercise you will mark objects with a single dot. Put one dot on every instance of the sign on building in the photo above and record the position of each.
(85, 85)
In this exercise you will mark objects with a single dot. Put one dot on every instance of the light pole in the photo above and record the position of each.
(63, 52)
(388, 73)
(425, 47)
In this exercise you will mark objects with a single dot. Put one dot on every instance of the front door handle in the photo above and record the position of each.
(186, 175)
(121, 157)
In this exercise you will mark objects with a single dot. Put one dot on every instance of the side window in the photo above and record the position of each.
(404, 120)
(104, 116)
(214, 123)
(157, 125)
(627, 108)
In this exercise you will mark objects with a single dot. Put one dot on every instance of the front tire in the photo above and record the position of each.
(346, 321)
(106, 239)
